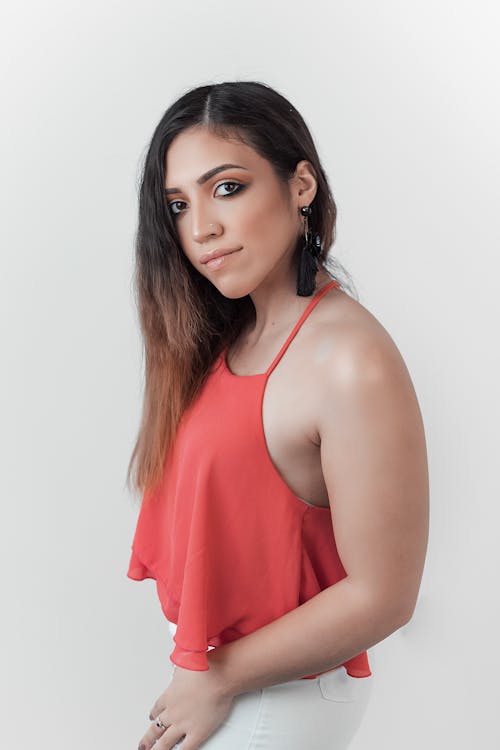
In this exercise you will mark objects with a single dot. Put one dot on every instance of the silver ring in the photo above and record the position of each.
(159, 723)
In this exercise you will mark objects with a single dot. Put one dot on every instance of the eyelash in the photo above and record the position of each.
(240, 187)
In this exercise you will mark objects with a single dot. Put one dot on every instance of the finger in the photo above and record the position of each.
(171, 740)
(153, 734)
(155, 711)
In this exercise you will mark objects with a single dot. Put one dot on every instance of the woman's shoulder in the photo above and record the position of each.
(348, 341)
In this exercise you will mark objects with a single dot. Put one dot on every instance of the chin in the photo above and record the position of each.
(233, 288)
(233, 291)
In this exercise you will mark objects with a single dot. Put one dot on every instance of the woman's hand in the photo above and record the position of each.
(192, 707)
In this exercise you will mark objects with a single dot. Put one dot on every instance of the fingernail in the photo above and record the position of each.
(142, 747)
(151, 717)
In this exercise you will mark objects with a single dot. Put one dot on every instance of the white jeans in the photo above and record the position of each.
(319, 714)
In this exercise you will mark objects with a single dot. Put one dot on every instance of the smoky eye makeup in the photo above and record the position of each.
(238, 187)
(235, 185)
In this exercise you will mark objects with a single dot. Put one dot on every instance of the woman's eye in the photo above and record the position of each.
(238, 188)
(171, 205)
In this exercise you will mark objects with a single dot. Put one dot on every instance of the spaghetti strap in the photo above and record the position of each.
(314, 301)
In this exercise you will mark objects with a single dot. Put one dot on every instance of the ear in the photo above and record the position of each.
(304, 183)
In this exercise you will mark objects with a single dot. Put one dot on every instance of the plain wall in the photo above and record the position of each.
(402, 100)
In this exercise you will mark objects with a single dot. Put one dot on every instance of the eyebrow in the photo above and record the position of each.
(207, 175)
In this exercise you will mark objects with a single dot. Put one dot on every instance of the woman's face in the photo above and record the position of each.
(242, 208)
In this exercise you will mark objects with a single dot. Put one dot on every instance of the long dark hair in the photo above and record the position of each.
(185, 321)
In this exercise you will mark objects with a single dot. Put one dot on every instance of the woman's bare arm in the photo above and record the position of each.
(374, 462)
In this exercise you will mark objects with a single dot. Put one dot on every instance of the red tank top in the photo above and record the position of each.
(230, 546)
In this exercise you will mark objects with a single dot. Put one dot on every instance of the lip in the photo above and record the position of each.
(218, 253)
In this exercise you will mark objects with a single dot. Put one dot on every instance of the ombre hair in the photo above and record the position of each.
(185, 321)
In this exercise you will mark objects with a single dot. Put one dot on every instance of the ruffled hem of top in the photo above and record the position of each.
(197, 661)
(137, 571)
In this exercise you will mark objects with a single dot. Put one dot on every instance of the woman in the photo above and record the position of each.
(281, 454)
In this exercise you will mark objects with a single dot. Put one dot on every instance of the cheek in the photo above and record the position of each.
(189, 255)
(265, 225)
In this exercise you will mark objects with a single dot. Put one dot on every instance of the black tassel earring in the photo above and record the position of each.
(308, 261)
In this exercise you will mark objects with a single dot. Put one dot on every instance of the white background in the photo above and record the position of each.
(402, 100)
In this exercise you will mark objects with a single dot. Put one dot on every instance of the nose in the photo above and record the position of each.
(202, 234)
(201, 228)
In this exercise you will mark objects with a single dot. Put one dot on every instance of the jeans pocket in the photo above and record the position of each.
(338, 686)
